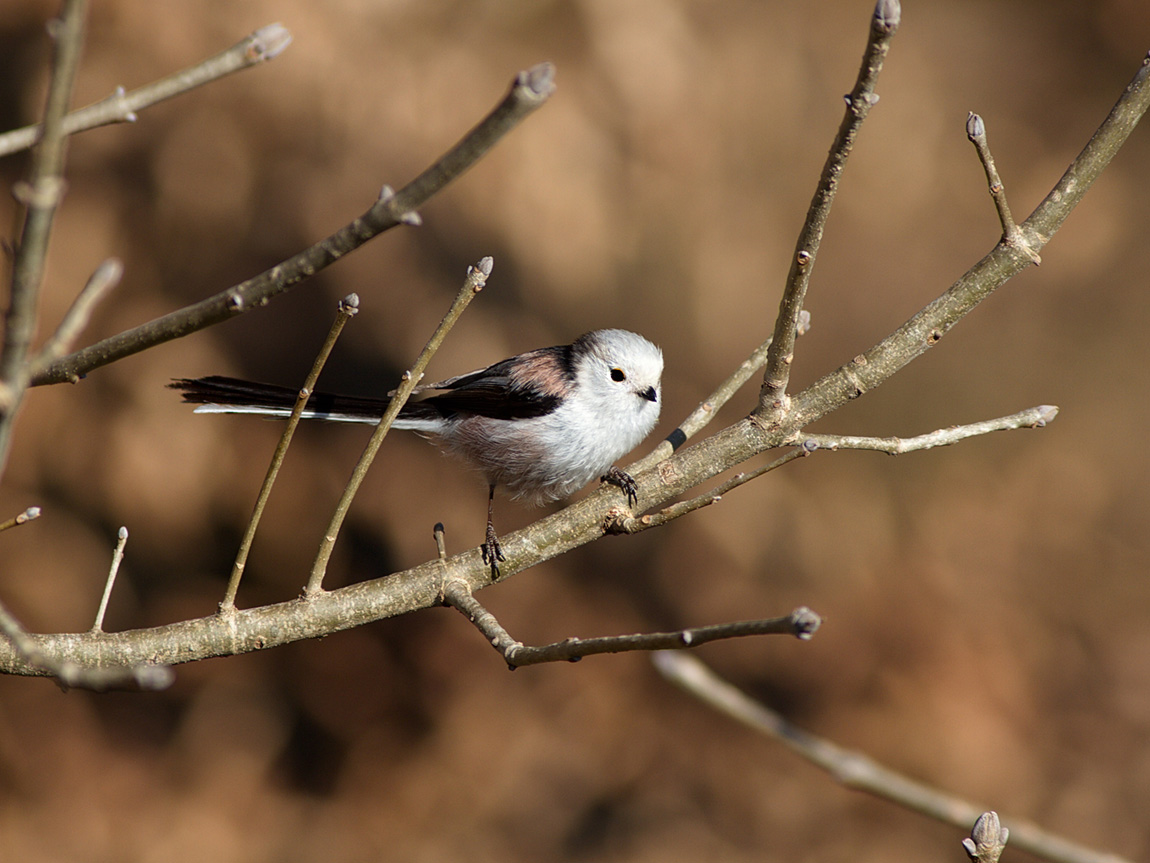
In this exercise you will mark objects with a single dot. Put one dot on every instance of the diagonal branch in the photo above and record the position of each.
(855, 770)
(474, 283)
(347, 309)
(528, 91)
(772, 396)
(122, 107)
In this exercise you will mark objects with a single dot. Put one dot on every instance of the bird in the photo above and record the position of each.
(539, 425)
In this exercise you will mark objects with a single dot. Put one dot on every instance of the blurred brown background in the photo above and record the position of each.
(986, 605)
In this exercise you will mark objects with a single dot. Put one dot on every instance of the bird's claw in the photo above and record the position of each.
(626, 482)
(492, 553)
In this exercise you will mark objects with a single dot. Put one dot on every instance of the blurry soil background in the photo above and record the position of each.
(986, 604)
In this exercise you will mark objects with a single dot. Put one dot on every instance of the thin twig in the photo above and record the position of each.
(122, 107)
(117, 559)
(772, 396)
(144, 675)
(23, 518)
(858, 771)
(440, 542)
(976, 132)
(472, 285)
(1036, 417)
(105, 277)
(529, 91)
(348, 307)
(802, 623)
(41, 195)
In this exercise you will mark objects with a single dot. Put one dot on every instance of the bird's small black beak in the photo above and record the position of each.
(649, 394)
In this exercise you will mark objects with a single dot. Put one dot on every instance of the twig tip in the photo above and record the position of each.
(975, 128)
(987, 839)
(805, 623)
(268, 42)
(539, 79)
(887, 15)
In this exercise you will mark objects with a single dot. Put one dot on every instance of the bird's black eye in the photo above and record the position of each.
(618, 375)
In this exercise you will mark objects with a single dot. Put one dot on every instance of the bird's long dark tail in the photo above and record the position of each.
(220, 394)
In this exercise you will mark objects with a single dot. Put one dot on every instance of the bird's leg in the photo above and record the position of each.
(492, 553)
(626, 482)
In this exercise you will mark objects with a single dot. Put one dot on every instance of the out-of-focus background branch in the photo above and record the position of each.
(984, 604)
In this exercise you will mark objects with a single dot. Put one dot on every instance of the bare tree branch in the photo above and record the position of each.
(348, 307)
(472, 285)
(1036, 417)
(772, 396)
(41, 195)
(122, 107)
(109, 583)
(802, 623)
(75, 675)
(103, 279)
(855, 770)
(976, 132)
(529, 91)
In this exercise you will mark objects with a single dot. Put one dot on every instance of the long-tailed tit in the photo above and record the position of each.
(540, 425)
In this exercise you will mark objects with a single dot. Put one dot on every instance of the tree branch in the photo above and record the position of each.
(529, 90)
(348, 307)
(772, 396)
(855, 770)
(122, 107)
(1030, 418)
(802, 623)
(472, 285)
(41, 195)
